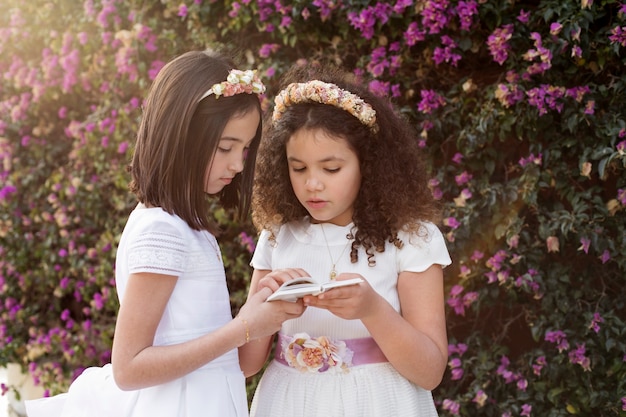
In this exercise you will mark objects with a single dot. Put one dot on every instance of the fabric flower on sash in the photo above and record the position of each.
(320, 354)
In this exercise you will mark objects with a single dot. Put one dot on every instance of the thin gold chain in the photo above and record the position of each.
(333, 272)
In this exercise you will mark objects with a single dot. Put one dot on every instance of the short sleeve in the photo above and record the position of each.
(420, 251)
(262, 257)
(158, 248)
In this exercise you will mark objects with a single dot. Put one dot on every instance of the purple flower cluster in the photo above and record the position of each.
(459, 301)
(498, 43)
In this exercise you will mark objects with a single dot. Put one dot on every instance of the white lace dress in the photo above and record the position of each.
(367, 389)
(154, 241)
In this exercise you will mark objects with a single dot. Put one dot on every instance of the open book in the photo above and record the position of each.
(299, 287)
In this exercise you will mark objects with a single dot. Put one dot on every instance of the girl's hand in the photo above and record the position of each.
(265, 318)
(350, 302)
(276, 278)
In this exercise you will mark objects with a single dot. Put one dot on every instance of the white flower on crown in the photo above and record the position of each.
(237, 82)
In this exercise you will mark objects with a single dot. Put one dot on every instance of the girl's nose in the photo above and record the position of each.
(314, 184)
(236, 164)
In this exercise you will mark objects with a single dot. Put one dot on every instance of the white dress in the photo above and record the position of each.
(154, 241)
(371, 389)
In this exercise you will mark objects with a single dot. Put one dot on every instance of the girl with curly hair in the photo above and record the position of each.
(340, 192)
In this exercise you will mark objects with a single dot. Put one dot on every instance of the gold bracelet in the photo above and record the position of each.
(245, 324)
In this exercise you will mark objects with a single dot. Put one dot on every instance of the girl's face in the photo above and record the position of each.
(231, 151)
(325, 175)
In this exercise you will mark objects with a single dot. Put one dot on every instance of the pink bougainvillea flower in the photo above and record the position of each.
(577, 356)
(584, 244)
(606, 256)
(523, 16)
(498, 43)
(559, 338)
(595, 322)
(618, 35)
(480, 398)
(540, 362)
(451, 406)
(430, 101)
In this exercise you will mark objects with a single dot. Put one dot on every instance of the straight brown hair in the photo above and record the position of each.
(178, 137)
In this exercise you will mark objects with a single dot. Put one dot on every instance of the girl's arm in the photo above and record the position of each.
(253, 355)
(138, 364)
(414, 342)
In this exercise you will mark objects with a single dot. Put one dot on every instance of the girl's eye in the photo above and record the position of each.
(223, 150)
(332, 170)
(298, 169)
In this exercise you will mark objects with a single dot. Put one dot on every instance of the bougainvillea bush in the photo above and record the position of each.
(519, 105)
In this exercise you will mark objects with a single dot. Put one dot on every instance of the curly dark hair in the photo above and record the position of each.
(394, 193)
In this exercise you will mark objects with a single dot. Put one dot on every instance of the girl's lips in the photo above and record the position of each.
(316, 204)
(227, 180)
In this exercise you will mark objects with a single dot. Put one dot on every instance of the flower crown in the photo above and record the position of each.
(325, 93)
(237, 82)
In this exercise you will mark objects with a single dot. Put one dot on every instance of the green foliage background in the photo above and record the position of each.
(521, 111)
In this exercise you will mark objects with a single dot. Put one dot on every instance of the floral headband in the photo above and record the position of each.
(325, 93)
(237, 82)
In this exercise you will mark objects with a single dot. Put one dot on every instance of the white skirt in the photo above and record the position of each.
(203, 393)
(373, 390)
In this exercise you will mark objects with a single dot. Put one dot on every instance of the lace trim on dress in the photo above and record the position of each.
(157, 252)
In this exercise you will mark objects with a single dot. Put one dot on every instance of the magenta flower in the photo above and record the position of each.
(466, 10)
(247, 241)
(463, 178)
(267, 49)
(480, 398)
(595, 322)
(526, 409)
(435, 15)
(584, 244)
(477, 256)
(452, 406)
(618, 35)
(459, 348)
(498, 43)
(182, 10)
(606, 256)
(430, 101)
(121, 149)
(540, 362)
(621, 196)
(555, 28)
(577, 356)
(523, 16)
(452, 222)
(155, 67)
(234, 11)
(559, 338)
(326, 7)
(445, 54)
(413, 34)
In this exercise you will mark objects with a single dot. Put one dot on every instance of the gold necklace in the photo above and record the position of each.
(333, 271)
(215, 246)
